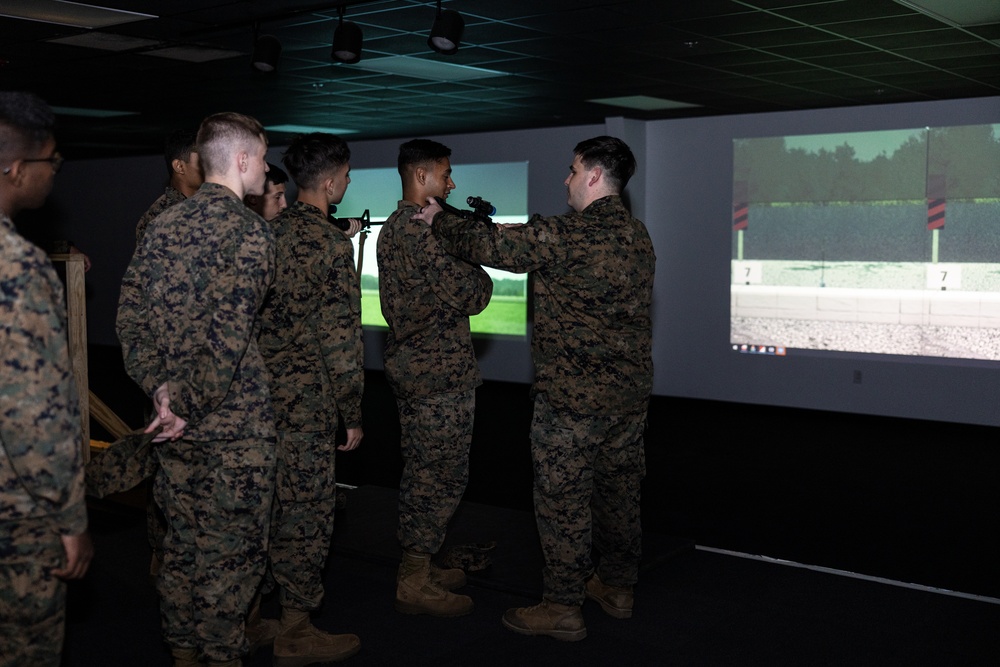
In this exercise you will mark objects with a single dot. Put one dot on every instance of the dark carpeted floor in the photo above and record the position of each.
(902, 499)
(693, 607)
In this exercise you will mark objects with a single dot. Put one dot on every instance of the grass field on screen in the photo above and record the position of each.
(505, 316)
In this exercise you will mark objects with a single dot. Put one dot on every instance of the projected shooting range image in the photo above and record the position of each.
(880, 242)
(505, 184)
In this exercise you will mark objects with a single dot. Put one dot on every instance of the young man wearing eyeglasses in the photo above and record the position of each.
(43, 517)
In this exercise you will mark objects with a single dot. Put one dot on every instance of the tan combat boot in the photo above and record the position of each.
(300, 643)
(614, 601)
(448, 578)
(417, 592)
(260, 631)
(561, 621)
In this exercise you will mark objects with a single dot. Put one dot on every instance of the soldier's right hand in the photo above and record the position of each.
(79, 552)
(172, 427)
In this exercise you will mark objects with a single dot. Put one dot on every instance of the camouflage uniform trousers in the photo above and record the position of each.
(217, 498)
(588, 470)
(32, 599)
(435, 440)
(305, 498)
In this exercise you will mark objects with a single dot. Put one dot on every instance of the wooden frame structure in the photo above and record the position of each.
(76, 312)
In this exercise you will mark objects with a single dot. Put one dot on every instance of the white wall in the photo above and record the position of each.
(689, 215)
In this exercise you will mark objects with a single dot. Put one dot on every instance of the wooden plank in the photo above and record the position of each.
(76, 311)
(107, 418)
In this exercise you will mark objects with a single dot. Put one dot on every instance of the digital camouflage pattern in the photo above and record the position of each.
(156, 527)
(123, 465)
(593, 282)
(311, 325)
(170, 197)
(41, 465)
(588, 470)
(436, 433)
(592, 349)
(32, 599)
(305, 500)
(188, 316)
(217, 500)
(41, 472)
(312, 343)
(427, 297)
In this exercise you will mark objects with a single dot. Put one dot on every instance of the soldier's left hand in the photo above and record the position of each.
(427, 213)
(353, 229)
(354, 436)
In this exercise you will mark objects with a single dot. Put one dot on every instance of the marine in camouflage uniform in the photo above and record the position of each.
(591, 345)
(169, 197)
(427, 297)
(43, 517)
(185, 176)
(123, 465)
(311, 342)
(187, 321)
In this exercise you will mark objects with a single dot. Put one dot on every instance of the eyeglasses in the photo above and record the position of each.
(56, 162)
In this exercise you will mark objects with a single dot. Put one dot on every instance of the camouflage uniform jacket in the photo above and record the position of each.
(593, 283)
(188, 314)
(170, 197)
(41, 465)
(311, 333)
(427, 297)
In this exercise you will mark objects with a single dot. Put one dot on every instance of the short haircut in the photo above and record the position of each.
(223, 134)
(276, 174)
(179, 145)
(612, 155)
(420, 151)
(26, 122)
(311, 157)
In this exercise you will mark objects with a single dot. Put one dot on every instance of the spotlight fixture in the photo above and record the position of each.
(447, 31)
(347, 40)
(266, 50)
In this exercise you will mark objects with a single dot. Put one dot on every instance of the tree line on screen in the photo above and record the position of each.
(951, 162)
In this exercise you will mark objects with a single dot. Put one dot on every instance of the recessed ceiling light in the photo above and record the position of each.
(957, 12)
(643, 103)
(76, 14)
(422, 68)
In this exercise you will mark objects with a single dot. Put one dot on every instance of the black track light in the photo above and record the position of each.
(266, 50)
(347, 40)
(447, 31)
